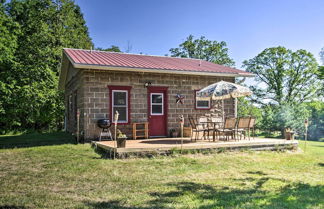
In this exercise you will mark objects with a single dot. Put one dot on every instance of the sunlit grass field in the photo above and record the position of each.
(50, 171)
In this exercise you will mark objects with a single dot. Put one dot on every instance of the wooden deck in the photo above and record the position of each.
(168, 145)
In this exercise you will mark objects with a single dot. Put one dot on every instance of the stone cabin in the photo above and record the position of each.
(143, 88)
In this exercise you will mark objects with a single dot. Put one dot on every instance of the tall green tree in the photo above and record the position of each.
(322, 55)
(321, 68)
(202, 48)
(9, 31)
(316, 126)
(247, 108)
(46, 26)
(286, 76)
(113, 48)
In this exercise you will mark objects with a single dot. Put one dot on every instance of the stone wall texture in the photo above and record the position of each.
(92, 93)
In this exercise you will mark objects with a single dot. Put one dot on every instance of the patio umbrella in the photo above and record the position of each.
(222, 90)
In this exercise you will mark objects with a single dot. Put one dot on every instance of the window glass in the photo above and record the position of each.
(122, 113)
(157, 98)
(203, 104)
(120, 98)
(157, 103)
(157, 109)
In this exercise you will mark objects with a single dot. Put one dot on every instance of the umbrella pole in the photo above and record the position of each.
(235, 108)
(223, 112)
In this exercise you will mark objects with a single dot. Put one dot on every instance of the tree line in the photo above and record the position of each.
(288, 84)
(33, 34)
(288, 89)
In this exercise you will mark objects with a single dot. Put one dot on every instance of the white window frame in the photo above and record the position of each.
(157, 103)
(113, 105)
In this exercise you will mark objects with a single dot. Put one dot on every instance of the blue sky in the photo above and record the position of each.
(248, 27)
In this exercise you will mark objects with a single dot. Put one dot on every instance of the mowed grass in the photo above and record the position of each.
(50, 171)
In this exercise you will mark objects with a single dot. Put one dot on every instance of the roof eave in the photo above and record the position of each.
(164, 71)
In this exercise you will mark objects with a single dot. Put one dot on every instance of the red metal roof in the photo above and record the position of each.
(114, 59)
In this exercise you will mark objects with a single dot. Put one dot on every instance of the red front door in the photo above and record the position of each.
(157, 111)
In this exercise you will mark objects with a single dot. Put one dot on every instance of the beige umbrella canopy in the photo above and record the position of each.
(222, 90)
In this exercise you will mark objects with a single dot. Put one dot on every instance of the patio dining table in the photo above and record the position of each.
(215, 125)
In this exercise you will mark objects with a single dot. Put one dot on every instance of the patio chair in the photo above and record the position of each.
(251, 126)
(196, 128)
(207, 126)
(243, 126)
(228, 129)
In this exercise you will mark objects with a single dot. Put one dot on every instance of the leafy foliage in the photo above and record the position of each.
(292, 116)
(205, 49)
(246, 108)
(316, 126)
(288, 81)
(113, 48)
(289, 77)
(44, 28)
(322, 55)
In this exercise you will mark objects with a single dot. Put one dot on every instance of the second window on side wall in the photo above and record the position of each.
(120, 104)
(201, 104)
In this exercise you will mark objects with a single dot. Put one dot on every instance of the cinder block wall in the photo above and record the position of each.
(94, 97)
(74, 88)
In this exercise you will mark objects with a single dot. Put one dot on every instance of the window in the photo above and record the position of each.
(201, 104)
(156, 103)
(120, 104)
(120, 101)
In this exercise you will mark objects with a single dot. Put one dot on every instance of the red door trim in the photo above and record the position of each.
(166, 104)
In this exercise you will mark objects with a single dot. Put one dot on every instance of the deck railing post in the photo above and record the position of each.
(181, 130)
(116, 120)
(78, 126)
(306, 126)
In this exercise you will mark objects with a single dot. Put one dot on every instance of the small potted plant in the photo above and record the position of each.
(173, 133)
(121, 139)
(289, 134)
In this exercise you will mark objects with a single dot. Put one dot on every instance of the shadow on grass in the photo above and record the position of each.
(11, 207)
(251, 194)
(321, 164)
(35, 140)
(257, 172)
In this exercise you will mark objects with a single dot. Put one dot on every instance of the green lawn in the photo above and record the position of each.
(49, 171)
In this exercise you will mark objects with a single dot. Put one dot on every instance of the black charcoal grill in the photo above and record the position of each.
(104, 124)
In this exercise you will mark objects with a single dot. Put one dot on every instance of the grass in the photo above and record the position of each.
(50, 171)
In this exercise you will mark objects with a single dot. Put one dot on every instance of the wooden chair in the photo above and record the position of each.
(196, 128)
(243, 127)
(228, 129)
